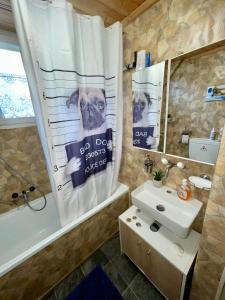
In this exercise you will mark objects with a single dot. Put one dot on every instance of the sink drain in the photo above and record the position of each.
(160, 207)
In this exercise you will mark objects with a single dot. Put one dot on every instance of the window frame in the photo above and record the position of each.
(9, 41)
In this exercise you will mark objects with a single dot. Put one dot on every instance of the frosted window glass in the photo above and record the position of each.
(15, 101)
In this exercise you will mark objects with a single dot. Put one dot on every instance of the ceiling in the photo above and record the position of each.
(110, 10)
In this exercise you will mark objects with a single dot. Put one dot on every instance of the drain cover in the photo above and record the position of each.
(160, 207)
(155, 226)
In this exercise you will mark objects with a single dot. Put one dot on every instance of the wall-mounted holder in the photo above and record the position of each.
(148, 164)
(200, 182)
(216, 93)
(131, 66)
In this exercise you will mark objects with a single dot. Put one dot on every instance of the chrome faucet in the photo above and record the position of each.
(170, 165)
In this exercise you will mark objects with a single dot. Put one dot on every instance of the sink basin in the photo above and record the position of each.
(166, 207)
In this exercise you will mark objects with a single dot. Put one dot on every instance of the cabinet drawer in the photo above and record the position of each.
(162, 273)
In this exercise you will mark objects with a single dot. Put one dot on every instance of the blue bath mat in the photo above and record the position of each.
(96, 286)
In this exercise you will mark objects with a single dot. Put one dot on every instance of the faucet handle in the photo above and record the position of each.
(32, 188)
(15, 195)
(164, 161)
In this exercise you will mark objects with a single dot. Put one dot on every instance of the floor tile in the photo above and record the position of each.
(129, 295)
(68, 284)
(125, 268)
(113, 273)
(98, 258)
(112, 247)
(143, 289)
(51, 296)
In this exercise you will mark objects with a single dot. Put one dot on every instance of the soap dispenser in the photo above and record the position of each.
(184, 192)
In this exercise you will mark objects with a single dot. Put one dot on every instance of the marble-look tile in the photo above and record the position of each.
(111, 248)
(112, 272)
(124, 267)
(128, 294)
(143, 289)
(68, 284)
(50, 296)
(98, 258)
(26, 157)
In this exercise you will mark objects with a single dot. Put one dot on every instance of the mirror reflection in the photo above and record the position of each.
(196, 112)
(148, 107)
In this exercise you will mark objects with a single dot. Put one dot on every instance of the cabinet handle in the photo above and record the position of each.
(149, 252)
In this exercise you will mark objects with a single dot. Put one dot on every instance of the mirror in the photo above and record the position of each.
(149, 102)
(196, 107)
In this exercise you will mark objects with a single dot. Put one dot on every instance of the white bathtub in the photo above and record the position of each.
(24, 232)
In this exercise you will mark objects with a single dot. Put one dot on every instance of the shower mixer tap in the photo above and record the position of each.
(16, 196)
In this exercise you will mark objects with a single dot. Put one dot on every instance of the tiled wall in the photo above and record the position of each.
(33, 278)
(21, 148)
(211, 257)
(188, 89)
(167, 29)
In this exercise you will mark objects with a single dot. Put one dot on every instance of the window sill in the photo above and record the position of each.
(17, 123)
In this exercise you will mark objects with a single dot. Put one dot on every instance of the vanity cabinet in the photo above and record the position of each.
(144, 248)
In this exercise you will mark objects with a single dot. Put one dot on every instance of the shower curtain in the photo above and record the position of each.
(74, 69)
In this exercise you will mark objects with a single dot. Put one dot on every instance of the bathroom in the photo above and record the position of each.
(49, 249)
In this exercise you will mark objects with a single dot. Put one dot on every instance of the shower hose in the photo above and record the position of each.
(24, 193)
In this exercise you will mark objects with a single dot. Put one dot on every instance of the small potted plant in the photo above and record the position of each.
(157, 178)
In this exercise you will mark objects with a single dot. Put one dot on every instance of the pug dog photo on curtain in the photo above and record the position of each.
(93, 152)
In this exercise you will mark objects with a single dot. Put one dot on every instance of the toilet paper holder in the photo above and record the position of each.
(185, 137)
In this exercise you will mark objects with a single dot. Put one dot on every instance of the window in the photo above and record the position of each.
(16, 108)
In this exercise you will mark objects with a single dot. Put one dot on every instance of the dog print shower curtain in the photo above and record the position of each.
(74, 69)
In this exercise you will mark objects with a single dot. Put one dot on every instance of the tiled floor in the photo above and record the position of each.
(126, 277)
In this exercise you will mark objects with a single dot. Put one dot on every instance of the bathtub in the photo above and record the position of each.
(23, 232)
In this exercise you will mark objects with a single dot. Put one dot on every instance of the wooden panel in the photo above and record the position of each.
(110, 10)
(124, 7)
(131, 244)
(139, 10)
(159, 271)
(165, 276)
(6, 18)
(94, 7)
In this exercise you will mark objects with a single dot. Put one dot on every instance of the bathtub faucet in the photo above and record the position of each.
(25, 196)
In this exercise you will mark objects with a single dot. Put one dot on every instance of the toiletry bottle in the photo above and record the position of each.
(216, 135)
(212, 134)
(184, 191)
(220, 134)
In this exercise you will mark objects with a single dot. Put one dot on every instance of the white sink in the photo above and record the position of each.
(164, 206)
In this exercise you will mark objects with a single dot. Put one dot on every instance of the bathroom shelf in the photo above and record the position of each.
(200, 183)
